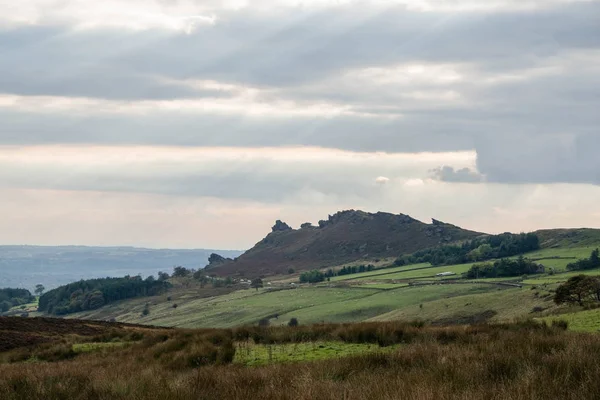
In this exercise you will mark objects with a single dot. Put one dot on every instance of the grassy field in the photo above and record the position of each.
(97, 346)
(381, 295)
(580, 321)
(385, 271)
(494, 305)
(554, 258)
(380, 302)
(251, 354)
(559, 258)
(427, 272)
(558, 278)
(237, 308)
(383, 286)
(308, 304)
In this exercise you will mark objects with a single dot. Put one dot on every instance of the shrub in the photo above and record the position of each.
(56, 353)
(293, 322)
(264, 322)
(560, 324)
(5, 306)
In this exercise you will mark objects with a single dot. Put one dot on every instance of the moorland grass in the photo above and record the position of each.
(507, 361)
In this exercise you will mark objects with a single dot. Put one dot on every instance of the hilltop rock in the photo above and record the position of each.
(346, 236)
(281, 226)
(215, 260)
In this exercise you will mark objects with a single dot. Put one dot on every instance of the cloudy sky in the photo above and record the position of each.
(189, 123)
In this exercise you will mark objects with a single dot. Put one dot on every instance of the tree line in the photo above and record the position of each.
(479, 249)
(504, 268)
(316, 276)
(95, 293)
(10, 297)
(588, 263)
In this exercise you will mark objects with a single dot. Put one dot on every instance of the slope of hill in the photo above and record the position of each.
(560, 238)
(52, 266)
(344, 237)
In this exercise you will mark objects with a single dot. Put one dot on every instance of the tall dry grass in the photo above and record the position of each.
(515, 361)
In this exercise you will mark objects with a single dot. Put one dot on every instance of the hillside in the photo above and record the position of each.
(344, 237)
(561, 238)
(390, 292)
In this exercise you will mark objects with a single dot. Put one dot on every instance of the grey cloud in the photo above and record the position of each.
(567, 158)
(449, 174)
(415, 134)
(540, 129)
(292, 49)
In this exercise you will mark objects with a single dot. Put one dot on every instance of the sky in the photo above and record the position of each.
(197, 124)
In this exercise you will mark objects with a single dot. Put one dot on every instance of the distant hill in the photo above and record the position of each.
(52, 266)
(344, 237)
(579, 237)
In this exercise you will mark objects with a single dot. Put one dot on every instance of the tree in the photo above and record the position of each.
(579, 289)
(5, 306)
(315, 276)
(589, 263)
(180, 272)
(203, 279)
(162, 276)
(146, 310)
(595, 258)
(39, 289)
(256, 283)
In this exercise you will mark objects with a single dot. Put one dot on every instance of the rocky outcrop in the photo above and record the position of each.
(281, 226)
(216, 260)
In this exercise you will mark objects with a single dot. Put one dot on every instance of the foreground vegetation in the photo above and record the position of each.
(384, 360)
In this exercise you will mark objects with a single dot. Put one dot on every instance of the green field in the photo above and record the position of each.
(237, 308)
(406, 272)
(364, 308)
(383, 286)
(377, 272)
(581, 321)
(427, 272)
(251, 354)
(551, 258)
(307, 304)
(505, 303)
(558, 278)
(99, 346)
(380, 295)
